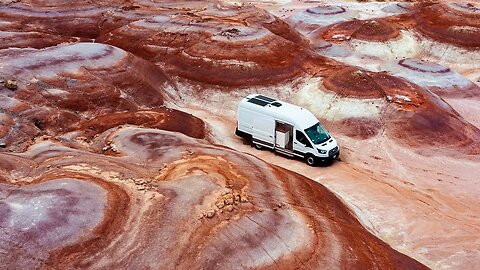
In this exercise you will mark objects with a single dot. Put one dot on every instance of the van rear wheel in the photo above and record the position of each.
(311, 160)
(258, 146)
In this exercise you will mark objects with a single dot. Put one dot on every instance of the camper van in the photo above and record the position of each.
(288, 129)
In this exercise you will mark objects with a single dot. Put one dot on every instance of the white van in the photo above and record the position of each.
(285, 128)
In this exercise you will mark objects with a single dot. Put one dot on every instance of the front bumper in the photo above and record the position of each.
(334, 155)
(334, 152)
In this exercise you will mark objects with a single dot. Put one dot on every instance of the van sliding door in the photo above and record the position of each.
(263, 130)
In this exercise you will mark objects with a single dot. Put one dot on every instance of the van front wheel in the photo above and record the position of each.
(311, 160)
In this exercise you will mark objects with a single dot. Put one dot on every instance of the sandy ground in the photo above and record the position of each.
(425, 207)
(469, 109)
(100, 116)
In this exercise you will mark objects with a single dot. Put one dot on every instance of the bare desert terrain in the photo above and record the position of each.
(118, 146)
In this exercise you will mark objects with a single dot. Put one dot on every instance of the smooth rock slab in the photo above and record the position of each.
(37, 219)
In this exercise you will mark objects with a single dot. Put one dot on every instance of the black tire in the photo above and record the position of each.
(311, 160)
(258, 146)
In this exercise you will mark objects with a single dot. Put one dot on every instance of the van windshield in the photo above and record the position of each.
(317, 133)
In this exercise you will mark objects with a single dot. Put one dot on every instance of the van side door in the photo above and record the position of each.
(263, 131)
(301, 145)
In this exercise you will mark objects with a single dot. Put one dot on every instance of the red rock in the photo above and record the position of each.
(117, 76)
(369, 30)
(182, 195)
(11, 84)
(455, 23)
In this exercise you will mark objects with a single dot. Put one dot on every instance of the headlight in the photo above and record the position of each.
(322, 151)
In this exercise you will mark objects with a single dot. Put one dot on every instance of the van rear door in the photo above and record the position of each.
(263, 131)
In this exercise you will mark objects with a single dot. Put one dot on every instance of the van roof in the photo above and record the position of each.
(281, 110)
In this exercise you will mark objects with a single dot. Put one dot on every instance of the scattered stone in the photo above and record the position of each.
(229, 201)
(163, 167)
(11, 84)
(114, 148)
(220, 205)
(229, 208)
(229, 33)
(358, 73)
(130, 7)
(339, 37)
(210, 214)
(109, 145)
(243, 198)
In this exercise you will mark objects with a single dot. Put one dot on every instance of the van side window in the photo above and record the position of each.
(301, 138)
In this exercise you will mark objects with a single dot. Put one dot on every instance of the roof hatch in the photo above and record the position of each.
(258, 101)
(263, 101)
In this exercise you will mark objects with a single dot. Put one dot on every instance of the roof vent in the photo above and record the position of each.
(276, 104)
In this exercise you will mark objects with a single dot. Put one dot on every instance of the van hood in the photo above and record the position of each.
(328, 145)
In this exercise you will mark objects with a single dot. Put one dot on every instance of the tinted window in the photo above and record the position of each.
(317, 133)
(301, 138)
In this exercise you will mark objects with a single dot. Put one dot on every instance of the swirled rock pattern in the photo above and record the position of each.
(216, 44)
(117, 140)
(160, 192)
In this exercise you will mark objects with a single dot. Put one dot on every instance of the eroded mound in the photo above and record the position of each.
(54, 19)
(358, 83)
(439, 79)
(234, 210)
(315, 17)
(444, 124)
(410, 114)
(369, 30)
(223, 45)
(124, 194)
(455, 23)
(60, 86)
